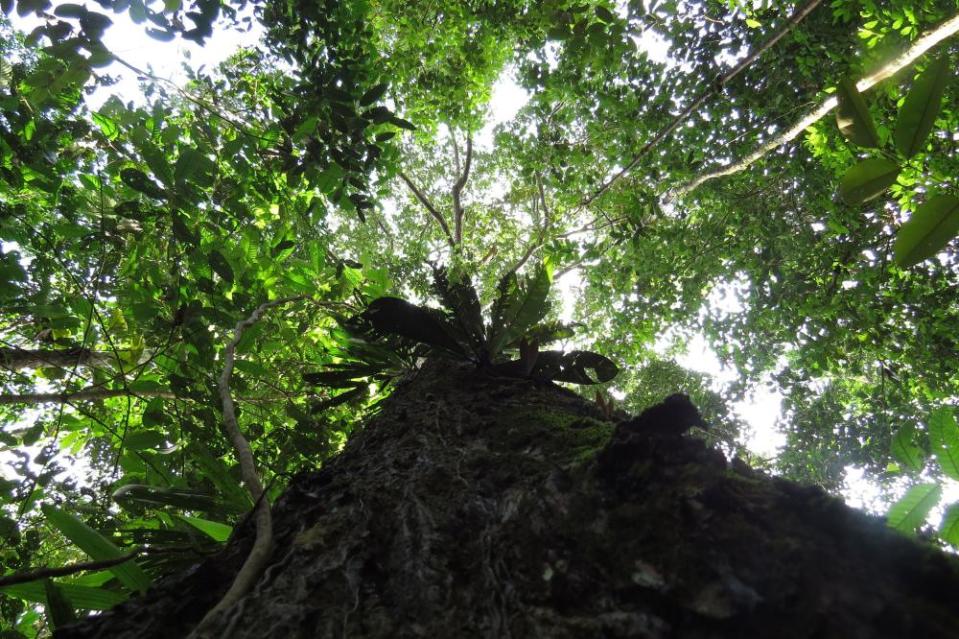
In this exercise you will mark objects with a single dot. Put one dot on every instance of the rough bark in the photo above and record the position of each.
(483, 507)
(20, 358)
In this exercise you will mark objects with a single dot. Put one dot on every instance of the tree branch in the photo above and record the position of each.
(458, 191)
(20, 358)
(535, 244)
(925, 43)
(429, 207)
(715, 88)
(263, 544)
(61, 571)
(93, 394)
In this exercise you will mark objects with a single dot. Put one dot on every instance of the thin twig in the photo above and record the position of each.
(62, 571)
(715, 88)
(458, 191)
(946, 30)
(255, 562)
(429, 207)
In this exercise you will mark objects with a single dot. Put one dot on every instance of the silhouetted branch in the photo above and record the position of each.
(62, 571)
(429, 207)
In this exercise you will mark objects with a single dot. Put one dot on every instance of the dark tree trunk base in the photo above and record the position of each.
(481, 507)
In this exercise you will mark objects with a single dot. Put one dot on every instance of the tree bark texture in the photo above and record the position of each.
(474, 506)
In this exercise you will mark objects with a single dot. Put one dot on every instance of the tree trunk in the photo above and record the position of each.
(486, 507)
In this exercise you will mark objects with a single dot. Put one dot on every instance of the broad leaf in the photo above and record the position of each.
(362, 390)
(399, 317)
(154, 496)
(97, 546)
(220, 266)
(138, 181)
(213, 529)
(518, 308)
(82, 597)
(459, 296)
(949, 527)
(929, 229)
(853, 117)
(905, 449)
(868, 179)
(144, 439)
(911, 510)
(339, 378)
(59, 610)
(944, 437)
(576, 367)
(918, 113)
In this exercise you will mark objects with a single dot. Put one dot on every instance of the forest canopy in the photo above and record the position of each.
(355, 149)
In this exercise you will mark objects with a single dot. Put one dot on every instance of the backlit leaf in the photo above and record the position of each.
(905, 449)
(97, 546)
(944, 438)
(867, 179)
(911, 510)
(853, 116)
(929, 229)
(918, 113)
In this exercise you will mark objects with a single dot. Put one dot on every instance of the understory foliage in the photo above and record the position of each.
(332, 167)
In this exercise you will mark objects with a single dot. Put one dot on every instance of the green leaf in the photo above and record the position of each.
(59, 610)
(144, 439)
(905, 449)
(180, 230)
(220, 266)
(944, 437)
(949, 527)
(518, 307)
(853, 117)
(399, 317)
(153, 496)
(911, 510)
(458, 295)
(107, 126)
(918, 113)
(82, 597)
(868, 179)
(138, 181)
(929, 229)
(214, 530)
(403, 124)
(359, 392)
(374, 94)
(97, 546)
(344, 378)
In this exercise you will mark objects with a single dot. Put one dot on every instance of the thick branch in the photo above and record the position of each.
(260, 553)
(61, 571)
(20, 358)
(925, 43)
(429, 207)
(715, 88)
(91, 394)
(458, 191)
